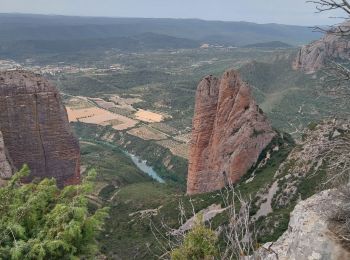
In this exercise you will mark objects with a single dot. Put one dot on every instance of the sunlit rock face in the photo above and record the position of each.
(229, 133)
(308, 235)
(35, 128)
(332, 46)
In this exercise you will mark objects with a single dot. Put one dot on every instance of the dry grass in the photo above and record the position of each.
(125, 103)
(176, 148)
(104, 104)
(184, 138)
(147, 133)
(165, 128)
(78, 103)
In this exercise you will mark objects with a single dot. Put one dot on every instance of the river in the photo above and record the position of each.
(142, 165)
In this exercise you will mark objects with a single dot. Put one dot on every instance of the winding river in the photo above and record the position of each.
(142, 165)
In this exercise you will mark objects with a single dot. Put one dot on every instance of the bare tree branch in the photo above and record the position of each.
(328, 5)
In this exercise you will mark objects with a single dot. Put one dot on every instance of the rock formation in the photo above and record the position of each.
(308, 158)
(313, 57)
(35, 129)
(5, 164)
(308, 236)
(229, 133)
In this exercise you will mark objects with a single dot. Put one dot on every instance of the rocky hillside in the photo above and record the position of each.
(313, 57)
(35, 129)
(229, 133)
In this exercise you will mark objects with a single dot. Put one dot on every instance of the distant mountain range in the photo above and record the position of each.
(66, 33)
(273, 44)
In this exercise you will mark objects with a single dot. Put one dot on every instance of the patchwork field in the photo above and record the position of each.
(125, 103)
(148, 116)
(78, 103)
(109, 112)
(176, 148)
(103, 104)
(99, 116)
(164, 128)
(147, 133)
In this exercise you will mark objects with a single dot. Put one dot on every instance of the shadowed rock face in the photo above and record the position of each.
(314, 56)
(35, 128)
(229, 133)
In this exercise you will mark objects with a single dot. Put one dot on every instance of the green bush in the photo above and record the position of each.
(40, 221)
(199, 243)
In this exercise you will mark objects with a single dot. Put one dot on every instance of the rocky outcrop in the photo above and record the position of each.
(35, 128)
(229, 133)
(314, 56)
(328, 142)
(308, 236)
(5, 162)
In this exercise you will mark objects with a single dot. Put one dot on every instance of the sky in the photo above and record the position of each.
(296, 12)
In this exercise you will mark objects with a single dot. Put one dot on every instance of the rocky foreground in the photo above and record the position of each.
(35, 130)
(229, 133)
(308, 235)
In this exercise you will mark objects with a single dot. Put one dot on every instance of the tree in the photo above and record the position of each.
(40, 221)
(328, 5)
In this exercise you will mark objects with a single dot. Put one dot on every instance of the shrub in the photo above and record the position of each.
(40, 221)
(199, 243)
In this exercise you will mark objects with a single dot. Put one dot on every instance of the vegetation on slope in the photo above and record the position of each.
(137, 206)
(40, 221)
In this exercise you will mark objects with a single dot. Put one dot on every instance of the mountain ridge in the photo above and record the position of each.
(21, 27)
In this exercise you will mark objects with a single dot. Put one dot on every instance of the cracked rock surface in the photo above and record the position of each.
(229, 133)
(35, 128)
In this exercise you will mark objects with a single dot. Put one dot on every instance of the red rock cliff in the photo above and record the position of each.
(35, 128)
(229, 133)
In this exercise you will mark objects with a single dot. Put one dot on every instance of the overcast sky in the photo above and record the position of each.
(260, 11)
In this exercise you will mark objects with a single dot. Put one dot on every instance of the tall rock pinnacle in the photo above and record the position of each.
(35, 128)
(229, 133)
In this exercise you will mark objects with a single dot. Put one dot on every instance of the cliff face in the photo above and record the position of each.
(229, 133)
(308, 235)
(313, 57)
(317, 162)
(35, 128)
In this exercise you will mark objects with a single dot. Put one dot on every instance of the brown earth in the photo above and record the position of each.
(148, 116)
